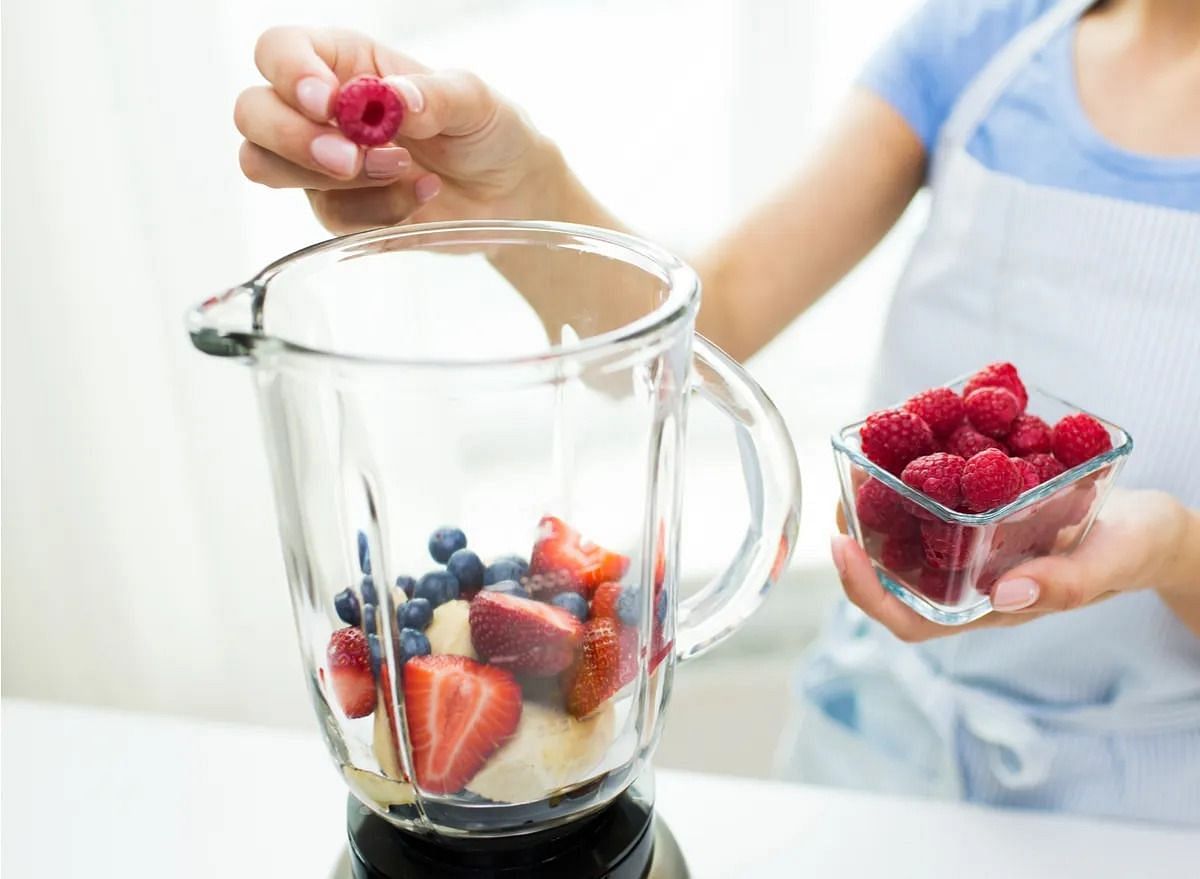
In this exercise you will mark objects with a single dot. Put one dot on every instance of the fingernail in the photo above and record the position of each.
(414, 101)
(385, 162)
(1013, 595)
(335, 153)
(426, 188)
(313, 95)
(837, 546)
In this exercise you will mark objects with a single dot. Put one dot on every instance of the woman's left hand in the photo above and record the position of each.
(1141, 540)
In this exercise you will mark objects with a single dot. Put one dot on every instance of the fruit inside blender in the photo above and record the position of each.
(514, 675)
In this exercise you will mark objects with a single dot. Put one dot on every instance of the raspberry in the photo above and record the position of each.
(936, 476)
(1078, 438)
(881, 509)
(893, 437)
(947, 547)
(1028, 435)
(989, 480)
(368, 111)
(998, 375)
(967, 442)
(940, 408)
(991, 411)
(1030, 478)
(901, 554)
(944, 587)
(1046, 465)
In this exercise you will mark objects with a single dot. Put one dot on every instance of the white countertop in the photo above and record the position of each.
(96, 793)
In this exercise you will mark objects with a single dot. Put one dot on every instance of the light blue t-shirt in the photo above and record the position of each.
(1037, 130)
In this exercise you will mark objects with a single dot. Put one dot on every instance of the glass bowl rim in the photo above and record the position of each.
(1022, 501)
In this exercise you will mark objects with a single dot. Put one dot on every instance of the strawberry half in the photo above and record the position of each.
(523, 635)
(562, 560)
(600, 672)
(459, 713)
(348, 657)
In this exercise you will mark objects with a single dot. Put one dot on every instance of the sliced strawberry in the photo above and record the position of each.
(522, 635)
(561, 560)
(602, 668)
(459, 713)
(660, 558)
(604, 601)
(627, 669)
(348, 657)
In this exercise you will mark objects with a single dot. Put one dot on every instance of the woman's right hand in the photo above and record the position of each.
(462, 151)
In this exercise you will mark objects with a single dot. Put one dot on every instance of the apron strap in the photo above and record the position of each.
(982, 92)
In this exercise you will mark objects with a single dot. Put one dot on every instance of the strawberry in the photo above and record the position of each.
(601, 668)
(604, 601)
(459, 713)
(562, 561)
(522, 635)
(348, 657)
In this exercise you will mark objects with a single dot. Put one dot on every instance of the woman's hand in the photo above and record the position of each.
(462, 151)
(1142, 540)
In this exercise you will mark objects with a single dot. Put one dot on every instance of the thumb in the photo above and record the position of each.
(1060, 582)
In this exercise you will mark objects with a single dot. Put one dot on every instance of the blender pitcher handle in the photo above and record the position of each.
(773, 489)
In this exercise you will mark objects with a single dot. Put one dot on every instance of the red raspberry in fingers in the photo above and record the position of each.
(893, 437)
(1028, 435)
(368, 111)
(989, 480)
(940, 408)
(998, 375)
(1046, 465)
(992, 411)
(936, 476)
(1078, 438)
(966, 442)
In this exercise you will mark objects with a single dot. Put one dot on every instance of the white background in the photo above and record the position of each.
(140, 560)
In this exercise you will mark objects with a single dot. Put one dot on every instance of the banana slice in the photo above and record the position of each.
(383, 745)
(550, 750)
(450, 630)
(384, 791)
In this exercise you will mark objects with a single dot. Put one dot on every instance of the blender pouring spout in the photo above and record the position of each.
(228, 324)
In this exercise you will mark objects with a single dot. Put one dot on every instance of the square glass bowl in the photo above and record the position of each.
(942, 563)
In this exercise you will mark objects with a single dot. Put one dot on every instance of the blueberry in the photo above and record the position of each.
(436, 587)
(364, 553)
(507, 587)
(414, 614)
(406, 585)
(467, 570)
(370, 596)
(413, 643)
(376, 652)
(660, 607)
(508, 567)
(629, 605)
(573, 603)
(368, 615)
(346, 605)
(445, 542)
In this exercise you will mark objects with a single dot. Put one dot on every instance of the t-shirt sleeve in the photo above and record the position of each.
(925, 65)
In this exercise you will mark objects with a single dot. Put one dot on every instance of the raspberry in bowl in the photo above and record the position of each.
(955, 486)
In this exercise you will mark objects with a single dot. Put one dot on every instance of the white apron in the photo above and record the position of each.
(1097, 300)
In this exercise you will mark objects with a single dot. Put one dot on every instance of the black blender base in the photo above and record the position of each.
(623, 841)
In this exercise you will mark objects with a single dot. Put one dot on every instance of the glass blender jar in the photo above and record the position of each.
(475, 432)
